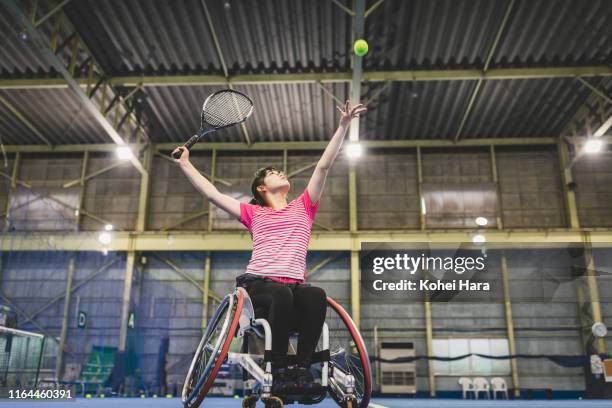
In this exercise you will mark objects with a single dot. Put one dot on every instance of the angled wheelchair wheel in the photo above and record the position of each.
(348, 354)
(212, 350)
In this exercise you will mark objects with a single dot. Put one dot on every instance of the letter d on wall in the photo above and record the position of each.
(82, 320)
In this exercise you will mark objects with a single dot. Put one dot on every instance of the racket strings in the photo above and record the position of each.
(227, 108)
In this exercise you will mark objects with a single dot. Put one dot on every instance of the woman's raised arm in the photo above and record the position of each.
(205, 187)
(317, 180)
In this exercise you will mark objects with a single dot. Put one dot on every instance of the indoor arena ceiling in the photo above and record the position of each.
(435, 70)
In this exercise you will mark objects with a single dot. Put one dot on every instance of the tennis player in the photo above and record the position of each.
(275, 276)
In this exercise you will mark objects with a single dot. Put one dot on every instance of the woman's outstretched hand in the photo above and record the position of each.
(184, 155)
(347, 113)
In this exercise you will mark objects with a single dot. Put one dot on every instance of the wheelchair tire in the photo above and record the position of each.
(365, 388)
(227, 315)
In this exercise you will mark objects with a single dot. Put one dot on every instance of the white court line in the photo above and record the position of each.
(376, 405)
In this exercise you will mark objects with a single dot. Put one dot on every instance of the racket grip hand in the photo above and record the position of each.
(177, 155)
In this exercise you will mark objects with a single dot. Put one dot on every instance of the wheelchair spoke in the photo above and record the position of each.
(345, 357)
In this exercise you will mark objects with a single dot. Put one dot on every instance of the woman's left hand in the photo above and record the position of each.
(349, 113)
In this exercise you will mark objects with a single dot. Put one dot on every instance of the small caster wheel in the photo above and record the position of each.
(274, 402)
(249, 402)
(350, 403)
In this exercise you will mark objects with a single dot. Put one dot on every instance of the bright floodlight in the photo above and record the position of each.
(354, 150)
(108, 227)
(479, 239)
(124, 152)
(593, 146)
(105, 238)
(481, 221)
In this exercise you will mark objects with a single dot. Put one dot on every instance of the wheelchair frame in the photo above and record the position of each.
(339, 384)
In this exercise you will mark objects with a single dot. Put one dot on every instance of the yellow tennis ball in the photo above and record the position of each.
(87, 395)
(360, 47)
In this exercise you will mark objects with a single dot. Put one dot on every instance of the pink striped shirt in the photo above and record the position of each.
(280, 238)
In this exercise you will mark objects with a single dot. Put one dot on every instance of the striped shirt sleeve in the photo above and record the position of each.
(311, 208)
(246, 214)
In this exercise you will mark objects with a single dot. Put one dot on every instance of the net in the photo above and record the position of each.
(226, 108)
(21, 355)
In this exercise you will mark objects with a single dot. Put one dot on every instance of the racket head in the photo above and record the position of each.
(224, 108)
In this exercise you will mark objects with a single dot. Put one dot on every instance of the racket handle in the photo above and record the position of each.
(187, 146)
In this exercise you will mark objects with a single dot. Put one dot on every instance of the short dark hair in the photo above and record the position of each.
(260, 175)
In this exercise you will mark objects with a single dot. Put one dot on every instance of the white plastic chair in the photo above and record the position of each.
(481, 385)
(467, 386)
(498, 384)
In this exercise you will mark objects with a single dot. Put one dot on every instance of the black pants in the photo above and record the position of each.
(288, 307)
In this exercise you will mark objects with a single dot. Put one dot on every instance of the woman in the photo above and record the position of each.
(275, 275)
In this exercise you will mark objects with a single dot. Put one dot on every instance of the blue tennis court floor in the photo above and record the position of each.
(376, 403)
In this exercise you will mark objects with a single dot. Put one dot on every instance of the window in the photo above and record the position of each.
(472, 365)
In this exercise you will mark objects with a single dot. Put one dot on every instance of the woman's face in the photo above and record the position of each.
(276, 180)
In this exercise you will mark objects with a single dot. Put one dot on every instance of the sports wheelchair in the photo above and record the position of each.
(340, 362)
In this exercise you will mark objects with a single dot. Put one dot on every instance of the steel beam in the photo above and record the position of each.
(82, 182)
(49, 14)
(280, 146)
(64, 329)
(322, 77)
(88, 177)
(125, 299)
(422, 209)
(213, 168)
(591, 277)
(495, 177)
(567, 180)
(431, 379)
(390, 144)
(206, 285)
(188, 277)
(143, 197)
(488, 59)
(595, 90)
(358, 29)
(510, 325)
(213, 32)
(13, 177)
(24, 120)
(44, 48)
(321, 240)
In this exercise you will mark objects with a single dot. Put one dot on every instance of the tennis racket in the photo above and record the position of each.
(221, 109)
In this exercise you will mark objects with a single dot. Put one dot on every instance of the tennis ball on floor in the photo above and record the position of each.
(87, 395)
(236, 397)
(142, 395)
(168, 395)
(360, 47)
(102, 395)
(154, 395)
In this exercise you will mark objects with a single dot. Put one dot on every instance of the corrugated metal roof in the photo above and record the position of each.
(415, 110)
(524, 108)
(174, 36)
(56, 113)
(271, 36)
(18, 56)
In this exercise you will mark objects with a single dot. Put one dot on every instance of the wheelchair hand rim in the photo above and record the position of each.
(199, 392)
(363, 354)
(220, 309)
